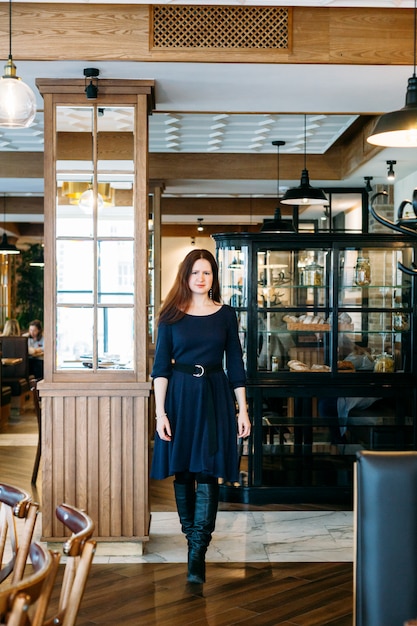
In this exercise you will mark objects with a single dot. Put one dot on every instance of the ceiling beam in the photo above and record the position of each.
(190, 230)
(21, 164)
(256, 207)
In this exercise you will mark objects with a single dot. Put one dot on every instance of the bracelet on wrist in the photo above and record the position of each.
(158, 417)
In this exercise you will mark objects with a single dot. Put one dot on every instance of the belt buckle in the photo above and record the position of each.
(200, 373)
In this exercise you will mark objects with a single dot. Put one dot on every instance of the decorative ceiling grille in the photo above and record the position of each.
(220, 27)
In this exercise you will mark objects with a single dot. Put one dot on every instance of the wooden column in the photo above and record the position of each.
(95, 423)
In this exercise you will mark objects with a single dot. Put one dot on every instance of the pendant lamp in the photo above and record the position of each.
(38, 260)
(368, 186)
(17, 100)
(277, 224)
(305, 193)
(86, 201)
(5, 246)
(398, 129)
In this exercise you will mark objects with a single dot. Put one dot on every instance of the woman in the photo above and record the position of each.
(35, 348)
(196, 433)
(11, 328)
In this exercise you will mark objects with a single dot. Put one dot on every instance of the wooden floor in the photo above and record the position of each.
(256, 593)
(296, 594)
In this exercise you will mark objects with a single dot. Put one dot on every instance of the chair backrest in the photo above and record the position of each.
(385, 520)
(38, 411)
(79, 549)
(15, 504)
(26, 602)
(12, 348)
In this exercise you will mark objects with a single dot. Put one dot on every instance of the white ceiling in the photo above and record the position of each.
(237, 108)
(332, 96)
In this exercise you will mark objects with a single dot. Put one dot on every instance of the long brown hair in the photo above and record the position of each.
(178, 298)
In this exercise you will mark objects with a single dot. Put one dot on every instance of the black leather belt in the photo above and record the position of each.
(199, 371)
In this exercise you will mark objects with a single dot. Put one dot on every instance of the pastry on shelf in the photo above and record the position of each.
(345, 366)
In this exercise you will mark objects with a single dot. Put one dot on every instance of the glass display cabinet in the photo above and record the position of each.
(327, 329)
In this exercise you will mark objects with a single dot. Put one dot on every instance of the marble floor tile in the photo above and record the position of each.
(248, 536)
(262, 536)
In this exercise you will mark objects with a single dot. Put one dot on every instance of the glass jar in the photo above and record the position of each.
(400, 321)
(384, 363)
(313, 275)
(362, 271)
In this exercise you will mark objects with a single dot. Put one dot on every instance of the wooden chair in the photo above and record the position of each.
(79, 550)
(37, 403)
(25, 603)
(15, 504)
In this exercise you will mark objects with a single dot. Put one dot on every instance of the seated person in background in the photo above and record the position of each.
(337, 411)
(11, 328)
(35, 349)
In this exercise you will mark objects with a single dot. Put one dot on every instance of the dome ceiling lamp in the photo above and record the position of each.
(305, 193)
(277, 224)
(17, 100)
(398, 129)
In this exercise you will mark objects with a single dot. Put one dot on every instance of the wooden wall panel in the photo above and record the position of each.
(94, 472)
(96, 458)
(56, 31)
(72, 422)
(102, 461)
(141, 428)
(48, 507)
(127, 465)
(115, 479)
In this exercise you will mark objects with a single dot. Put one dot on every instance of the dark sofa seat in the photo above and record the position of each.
(16, 376)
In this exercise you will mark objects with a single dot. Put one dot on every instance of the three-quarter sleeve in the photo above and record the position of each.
(234, 361)
(162, 366)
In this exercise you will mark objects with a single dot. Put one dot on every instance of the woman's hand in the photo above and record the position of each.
(243, 421)
(163, 428)
(243, 424)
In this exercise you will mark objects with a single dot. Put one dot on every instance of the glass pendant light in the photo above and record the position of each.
(17, 100)
(86, 200)
(398, 129)
(305, 193)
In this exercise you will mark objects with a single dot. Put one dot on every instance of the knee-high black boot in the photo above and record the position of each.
(207, 498)
(185, 499)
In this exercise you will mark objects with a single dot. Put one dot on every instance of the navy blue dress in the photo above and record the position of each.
(200, 340)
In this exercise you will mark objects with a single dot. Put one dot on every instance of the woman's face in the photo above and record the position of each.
(201, 277)
(33, 331)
